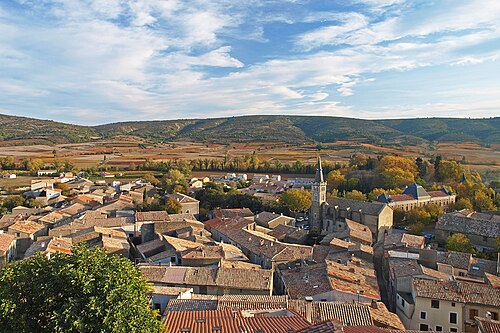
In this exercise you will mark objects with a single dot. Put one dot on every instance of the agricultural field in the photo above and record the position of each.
(122, 151)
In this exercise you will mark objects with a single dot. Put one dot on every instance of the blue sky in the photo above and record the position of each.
(99, 61)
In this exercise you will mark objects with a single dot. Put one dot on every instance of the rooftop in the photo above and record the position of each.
(28, 227)
(370, 208)
(466, 222)
(454, 291)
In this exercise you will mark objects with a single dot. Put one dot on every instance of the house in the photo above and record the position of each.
(447, 305)
(46, 172)
(106, 174)
(416, 196)
(26, 232)
(272, 220)
(211, 280)
(189, 205)
(8, 175)
(7, 248)
(482, 229)
(355, 232)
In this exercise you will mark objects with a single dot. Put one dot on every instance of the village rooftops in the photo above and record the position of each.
(359, 231)
(466, 222)
(328, 326)
(457, 291)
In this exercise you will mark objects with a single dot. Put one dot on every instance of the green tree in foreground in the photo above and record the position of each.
(88, 291)
(459, 243)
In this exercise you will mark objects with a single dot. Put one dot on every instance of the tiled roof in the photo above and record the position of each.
(181, 305)
(487, 225)
(364, 329)
(171, 291)
(456, 259)
(152, 216)
(359, 231)
(413, 240)
(400, 197)
(371, 208)
(206, 276)
(403, 267)
(230, 321)
(266, 217)
(5, 242)
(493, 280)
(28, 227)
(434, 273)
(227, 224)
(182, 198)
(416, 191)
(454, 291)
(252, 302)
(346, 313)
(233, 212)
(488, 325)
(328, 326)
(381, 316)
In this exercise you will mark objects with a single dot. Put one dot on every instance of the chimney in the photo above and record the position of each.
(309, 303)
(374, 304)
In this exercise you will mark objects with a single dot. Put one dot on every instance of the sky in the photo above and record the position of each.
(99, 61)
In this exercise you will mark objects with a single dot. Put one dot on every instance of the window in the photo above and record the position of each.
(453, 304)
(439, 328)
(434, 304)
(453, 329)
(402, 302)
(424, 327)
(473, 313)
(18, 234)
(423, 315)
(461, 274)
(485, 238)
(494, 315)
(453, 317)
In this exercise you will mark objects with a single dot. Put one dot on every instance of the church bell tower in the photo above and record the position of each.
(318, 198)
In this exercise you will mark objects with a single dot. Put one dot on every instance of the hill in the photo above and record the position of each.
(288, 129)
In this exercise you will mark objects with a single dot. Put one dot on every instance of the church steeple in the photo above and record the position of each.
(318, 199)
(318, 178)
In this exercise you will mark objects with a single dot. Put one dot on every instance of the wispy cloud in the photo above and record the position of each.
(118, 60)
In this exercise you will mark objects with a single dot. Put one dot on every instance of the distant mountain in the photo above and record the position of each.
(288, 129)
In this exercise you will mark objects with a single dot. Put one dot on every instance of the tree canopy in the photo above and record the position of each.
(296, 200)
(459, 243)
(88, 291)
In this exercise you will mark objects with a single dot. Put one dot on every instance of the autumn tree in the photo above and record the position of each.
(296, 200)
(173, 206)
(397, 171)
(88, 291)
(459, 243)
(355, 195)
(175, 181)
(150, 178)
(336, 180)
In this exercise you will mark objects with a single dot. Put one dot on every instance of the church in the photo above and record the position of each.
(328, 215)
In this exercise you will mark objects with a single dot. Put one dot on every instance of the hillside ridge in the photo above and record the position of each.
(266, 128)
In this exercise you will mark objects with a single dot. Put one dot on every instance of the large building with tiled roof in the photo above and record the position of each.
(447, 305)
(211, 281)
(481, 228)
(415, 196)
(232, 321)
